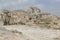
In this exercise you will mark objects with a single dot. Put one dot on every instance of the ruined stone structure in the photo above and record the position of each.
(5, 16)
(34, 10)
(18, 17)
(32, 16)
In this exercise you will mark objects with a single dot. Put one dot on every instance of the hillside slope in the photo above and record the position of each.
(24, 32)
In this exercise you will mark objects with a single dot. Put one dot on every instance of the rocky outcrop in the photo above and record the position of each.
(15, 17)
(32, 16)
(18, 17)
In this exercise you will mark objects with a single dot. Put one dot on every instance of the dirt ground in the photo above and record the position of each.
(24, 32)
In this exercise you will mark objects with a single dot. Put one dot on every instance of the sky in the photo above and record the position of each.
(52, 6)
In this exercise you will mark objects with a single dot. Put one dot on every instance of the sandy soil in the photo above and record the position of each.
(24, 32)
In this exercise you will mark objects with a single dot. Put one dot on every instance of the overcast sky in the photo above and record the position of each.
(52, 6)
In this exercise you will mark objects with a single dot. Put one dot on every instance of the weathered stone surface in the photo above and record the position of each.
(15, 17)
(18, 17)
(31, 17)
(34, 10)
